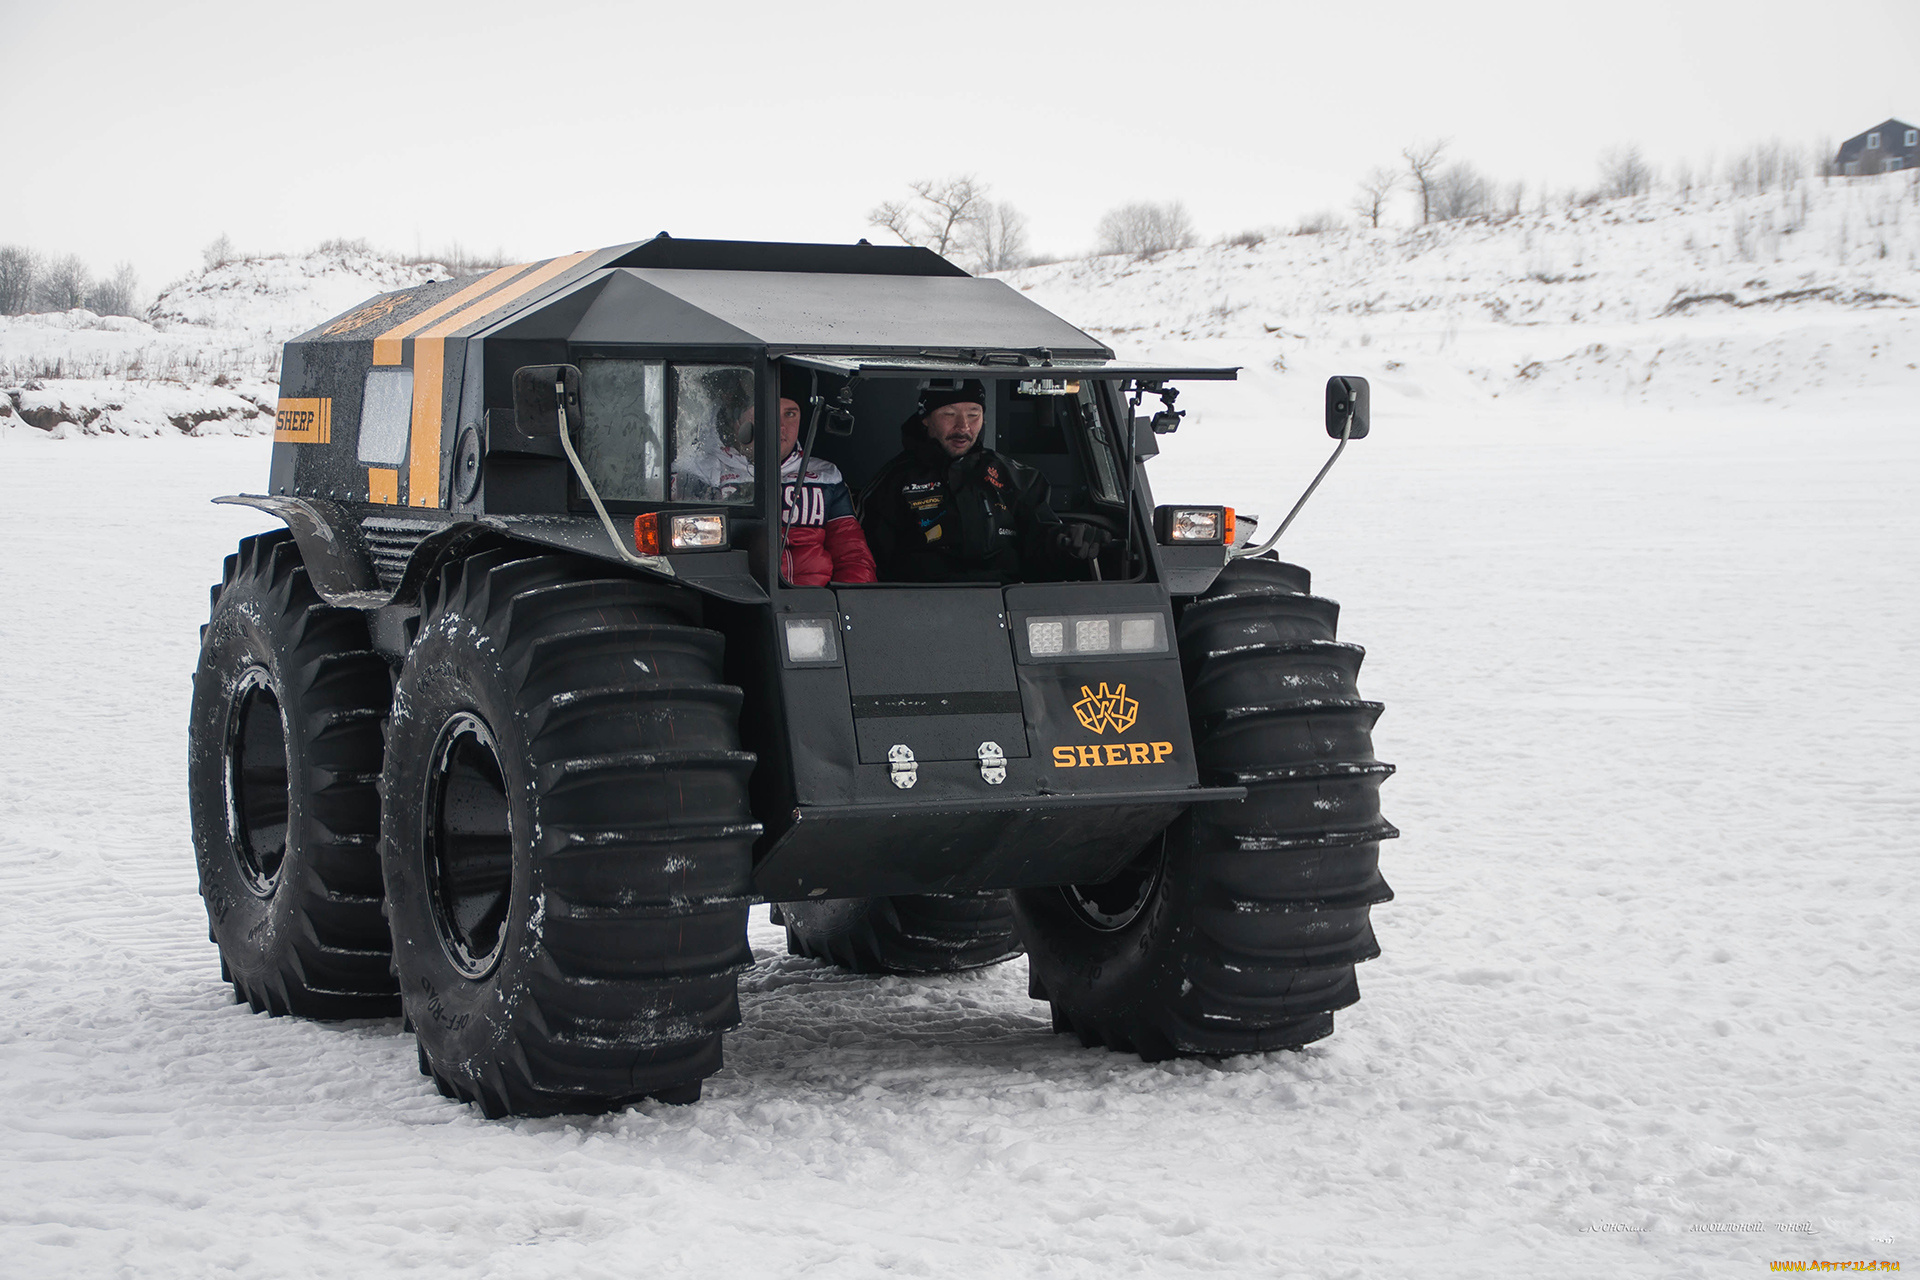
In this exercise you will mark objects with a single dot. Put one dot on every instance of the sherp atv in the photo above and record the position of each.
(510, 726)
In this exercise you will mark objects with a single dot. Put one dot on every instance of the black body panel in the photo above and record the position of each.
(1013, 842)
(930, 669)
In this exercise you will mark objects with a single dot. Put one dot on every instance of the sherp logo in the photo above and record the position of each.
(1107, 709)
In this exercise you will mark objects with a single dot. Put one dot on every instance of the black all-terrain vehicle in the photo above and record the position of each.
(517, 718)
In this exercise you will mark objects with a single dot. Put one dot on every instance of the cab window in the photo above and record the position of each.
(622, 440)
(712, 411)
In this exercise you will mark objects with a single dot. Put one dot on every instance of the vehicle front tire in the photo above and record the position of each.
(1236, 931)
(282, 774)
(567, 839)
(906, 933)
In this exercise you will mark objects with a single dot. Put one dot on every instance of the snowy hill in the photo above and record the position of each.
(1658, 300)
(1662, 301)
(204, 361)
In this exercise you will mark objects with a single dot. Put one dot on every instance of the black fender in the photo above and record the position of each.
(333, 544)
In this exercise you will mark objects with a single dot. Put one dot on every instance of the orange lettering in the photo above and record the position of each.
(1090, 756)
(1063, 758)
(1139, 753)
(1116, 753)
(1161, 750)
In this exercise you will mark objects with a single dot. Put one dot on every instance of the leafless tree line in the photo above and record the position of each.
(30, 282)
(956, 217)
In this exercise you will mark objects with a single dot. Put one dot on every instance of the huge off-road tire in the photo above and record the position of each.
(907, 933)
(567, 839)
(282, 774)
(1238, 930)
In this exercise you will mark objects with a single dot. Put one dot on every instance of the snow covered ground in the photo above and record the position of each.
(1652, 966)
(1649, 1002)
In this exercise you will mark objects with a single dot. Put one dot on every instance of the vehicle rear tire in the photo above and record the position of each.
(906, 933)
(1236, 931)
(282, 773)
(567, 838)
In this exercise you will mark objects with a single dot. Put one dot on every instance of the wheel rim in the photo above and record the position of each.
(257, 777)
(1114, 904)
(469, 846)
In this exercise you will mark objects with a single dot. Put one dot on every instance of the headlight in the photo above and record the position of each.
(1194, 526)
(810, 641)
(691, 531)
(1093, 634)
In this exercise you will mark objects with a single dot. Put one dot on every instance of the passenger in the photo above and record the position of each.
(823, 539)
(948, 509)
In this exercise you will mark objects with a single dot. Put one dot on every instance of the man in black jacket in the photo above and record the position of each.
(948, 509)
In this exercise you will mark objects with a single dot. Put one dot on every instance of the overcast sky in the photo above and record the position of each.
(142, 131)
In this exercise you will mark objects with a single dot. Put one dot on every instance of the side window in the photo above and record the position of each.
(712, 410)
(386, 417)
(622, 440)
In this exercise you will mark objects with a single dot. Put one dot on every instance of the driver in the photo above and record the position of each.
(948, 509)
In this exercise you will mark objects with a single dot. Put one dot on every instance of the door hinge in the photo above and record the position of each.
(901, 765)
(993, 763)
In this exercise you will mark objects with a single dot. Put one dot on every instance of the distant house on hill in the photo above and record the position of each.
(1891, 145)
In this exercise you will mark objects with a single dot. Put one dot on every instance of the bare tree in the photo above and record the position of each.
(1143, 229)
(1000, 237)
(1459, 191)
(1826, 163)
(61, 285)
(113, 296)
(940, 215)
(1624, 172)
(219, 252)
(17, 269)
(1374, 190)
(1423, 162)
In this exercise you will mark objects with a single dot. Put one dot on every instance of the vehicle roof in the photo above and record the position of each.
(784, 297)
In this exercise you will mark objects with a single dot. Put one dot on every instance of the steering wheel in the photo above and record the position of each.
(1094, 518)
(1112, 527)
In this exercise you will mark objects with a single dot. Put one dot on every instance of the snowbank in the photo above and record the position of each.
(1786, 297)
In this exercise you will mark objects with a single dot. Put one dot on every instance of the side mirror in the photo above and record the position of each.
(1144, 444)
(1347, 396)
(537, 404)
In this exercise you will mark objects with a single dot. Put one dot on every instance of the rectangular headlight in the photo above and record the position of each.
(1092, 635)
(1194, 526)
(1139, 635)
(810, 641)
(699, 531)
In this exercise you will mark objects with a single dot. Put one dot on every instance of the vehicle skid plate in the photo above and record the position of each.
(868, 850)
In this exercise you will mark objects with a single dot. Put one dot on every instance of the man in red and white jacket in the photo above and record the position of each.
(824, 542)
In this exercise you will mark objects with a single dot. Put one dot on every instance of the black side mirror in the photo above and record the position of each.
(1347, 396)
(540, 391)
(1144, 444)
